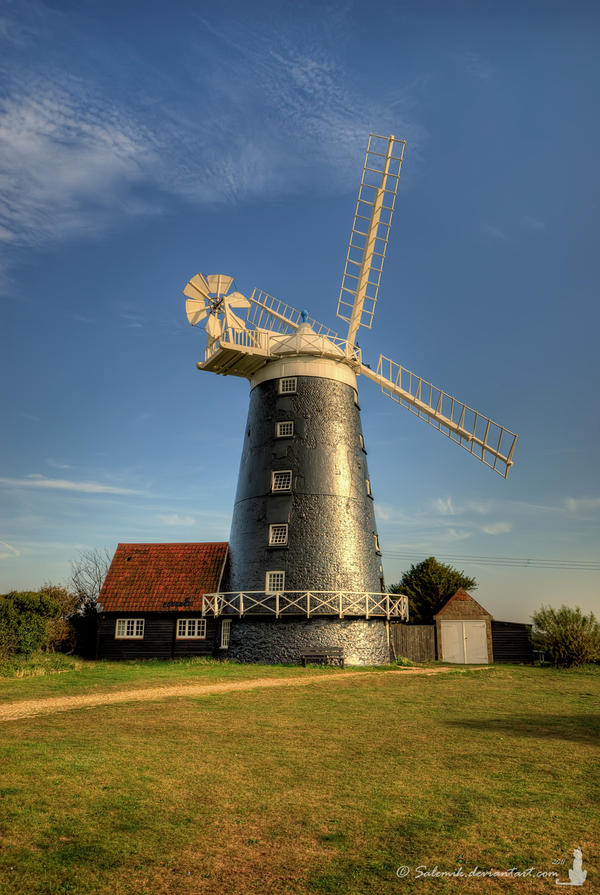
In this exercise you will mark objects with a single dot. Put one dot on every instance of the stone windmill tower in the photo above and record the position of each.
(305, 575)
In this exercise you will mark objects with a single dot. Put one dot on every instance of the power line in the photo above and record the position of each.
(567, 565)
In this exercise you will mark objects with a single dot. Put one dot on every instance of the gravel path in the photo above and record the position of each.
(28, 708)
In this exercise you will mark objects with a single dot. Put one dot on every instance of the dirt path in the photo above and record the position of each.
(30, 707)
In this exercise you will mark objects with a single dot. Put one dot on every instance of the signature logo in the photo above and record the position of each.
(577, 874)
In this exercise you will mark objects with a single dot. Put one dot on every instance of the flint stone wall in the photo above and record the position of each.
(363, 641)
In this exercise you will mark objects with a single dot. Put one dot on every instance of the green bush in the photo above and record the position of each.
(24, 622)
(566, 635)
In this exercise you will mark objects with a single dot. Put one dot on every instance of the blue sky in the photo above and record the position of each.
(141, 143)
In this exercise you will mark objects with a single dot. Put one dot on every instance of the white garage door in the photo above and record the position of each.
(464, 643)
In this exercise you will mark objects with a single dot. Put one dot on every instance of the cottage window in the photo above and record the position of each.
(191, 628)
(129, 629)
(285, 429)
(281, 480)
(225, 632)
(274, 582)
(288, 386)
(278, 535)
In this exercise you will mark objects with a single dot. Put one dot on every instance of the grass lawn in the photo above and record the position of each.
(323, 789)
(53, 674)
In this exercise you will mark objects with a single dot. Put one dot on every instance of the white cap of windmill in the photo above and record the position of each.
(484, 439)
(208, 298)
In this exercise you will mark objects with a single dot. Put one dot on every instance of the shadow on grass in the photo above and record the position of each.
(578, 728)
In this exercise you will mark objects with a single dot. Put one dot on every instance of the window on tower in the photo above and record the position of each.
(288, 385)
(368, 487)
(376, 539)
(281, 480)
(278, 535)
(274, 582)
(285, 429)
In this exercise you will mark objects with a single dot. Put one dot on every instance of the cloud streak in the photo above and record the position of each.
(39, 481)
(176, 519)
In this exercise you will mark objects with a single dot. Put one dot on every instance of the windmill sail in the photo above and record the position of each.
(270, 313)
(486, 440)
(369, 235)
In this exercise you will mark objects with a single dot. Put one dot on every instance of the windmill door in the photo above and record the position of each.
(464, 642)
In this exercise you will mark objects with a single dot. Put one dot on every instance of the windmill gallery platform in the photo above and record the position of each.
(302, 574)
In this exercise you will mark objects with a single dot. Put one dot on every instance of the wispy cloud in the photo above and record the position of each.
(75, 154)
(55, 465)
(8, 552)
(493, 232)
(454, 534)
(497, 528)
(39, 481)
(582, 504)
(176, 519)
(63, 160)
(474, 64)
(444, 506)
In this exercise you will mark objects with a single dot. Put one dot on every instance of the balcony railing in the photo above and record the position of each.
(262, 342)
(309, 604)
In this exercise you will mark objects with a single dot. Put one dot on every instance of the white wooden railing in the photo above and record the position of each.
(262, 342)
(307, 603)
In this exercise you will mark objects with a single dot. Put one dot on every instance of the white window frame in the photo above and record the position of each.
(288, 385)
(280, 430)
(278, 473)
(130, 628)
(191, 629)
(270, 588)
(276, 532)
(225, 632)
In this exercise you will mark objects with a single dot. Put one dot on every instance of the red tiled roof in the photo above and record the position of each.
(162, 577)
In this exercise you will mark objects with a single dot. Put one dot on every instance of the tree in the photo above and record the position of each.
(428, 585)
(61, 630)
(88, 572)
(568, 636)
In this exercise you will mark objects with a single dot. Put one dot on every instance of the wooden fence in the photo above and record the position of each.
(416, 642)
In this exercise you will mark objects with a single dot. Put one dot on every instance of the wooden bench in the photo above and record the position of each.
(328, 655)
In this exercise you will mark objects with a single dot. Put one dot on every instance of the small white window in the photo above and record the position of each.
(191, 628)
(368, 486)
(288, 386)
(225, 632)
(376, 539)
(129, 629)
(285, 430)
(361, 441)
(275, 581)
(278, 535)
(281, 480)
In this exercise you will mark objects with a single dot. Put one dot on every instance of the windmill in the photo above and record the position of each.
(304, 577)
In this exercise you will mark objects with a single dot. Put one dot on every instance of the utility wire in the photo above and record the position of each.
(567, 565)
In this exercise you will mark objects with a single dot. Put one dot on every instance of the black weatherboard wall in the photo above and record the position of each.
(512, 642)
(329, 512)
(159, 639)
